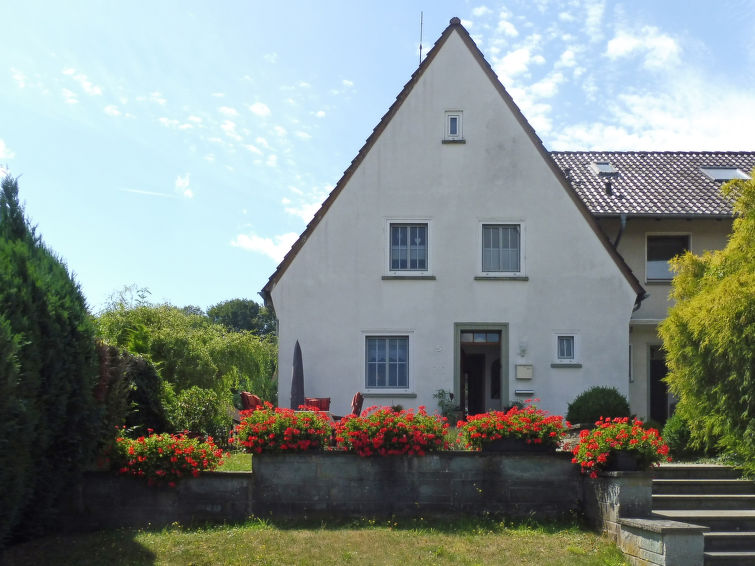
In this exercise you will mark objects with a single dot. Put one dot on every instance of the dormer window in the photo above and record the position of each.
(453, 126)
(604, 169)
(724, 173)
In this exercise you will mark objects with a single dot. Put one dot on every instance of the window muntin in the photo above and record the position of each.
(408, 247)
(387, 362)
(565, 348)
(660, 249)
(501, 248)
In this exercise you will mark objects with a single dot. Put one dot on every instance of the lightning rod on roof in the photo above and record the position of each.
(421, 17)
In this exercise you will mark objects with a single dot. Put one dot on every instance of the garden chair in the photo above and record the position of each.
(321, 403)
(249, 401)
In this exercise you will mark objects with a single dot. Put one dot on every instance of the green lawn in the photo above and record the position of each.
(363, 543)
(236, 462)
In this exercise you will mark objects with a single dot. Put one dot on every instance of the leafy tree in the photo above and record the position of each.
(709, 336)
(243, 314)
(189, 350)
(48, 418)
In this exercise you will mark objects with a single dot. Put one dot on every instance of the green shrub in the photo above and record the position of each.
(201, 411)
(597, 402)
(676, 433)
(49, 422)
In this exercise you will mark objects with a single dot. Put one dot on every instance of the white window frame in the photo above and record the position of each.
(389, 223)
(459, 116)
(649, 235)
(576, 359)
(480, 242)
(385, 333)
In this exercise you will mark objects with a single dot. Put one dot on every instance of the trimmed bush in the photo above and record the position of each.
(49, 423)
(201, 411)
(597, 402)
(677, 435)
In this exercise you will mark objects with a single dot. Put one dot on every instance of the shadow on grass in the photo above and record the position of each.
(91, 549)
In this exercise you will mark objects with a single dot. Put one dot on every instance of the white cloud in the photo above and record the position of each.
(347, 83)
(168, 122)
(548, 86)
(148, 193)
(5, 151)
(195, 119)
(19, 77)
(228, 111)
(259, 109)
(229, 128)
(112, 110)
(182, 186)
(505, 26)
(304, 84)
(320, 114)
(263, 142)
(303, 135)
(280, 131)
(218, 94)
(253, 149)
(594, 20)
(272, 161)
(660, 50)
(275, 248)
(70, 96)
(157, 98)
(481, 11)
(271, 57)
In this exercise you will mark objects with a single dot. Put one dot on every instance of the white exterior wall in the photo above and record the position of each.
(333, 293)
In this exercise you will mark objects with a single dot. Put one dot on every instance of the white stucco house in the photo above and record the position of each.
(457, 253)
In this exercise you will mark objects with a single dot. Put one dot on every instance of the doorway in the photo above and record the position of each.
(481, 372)
(661, 401)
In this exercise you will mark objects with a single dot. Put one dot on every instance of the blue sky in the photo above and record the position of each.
(183, 146)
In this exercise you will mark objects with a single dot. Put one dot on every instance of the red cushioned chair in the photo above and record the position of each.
(321, 403)
(249, 401)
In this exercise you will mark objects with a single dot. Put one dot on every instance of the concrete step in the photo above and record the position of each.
(695, 471)
(729, 559)
(703, 501)
(703, 486)
(717, 520)
(729, 541)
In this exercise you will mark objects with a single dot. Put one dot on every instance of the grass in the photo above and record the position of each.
(236, 462)
(363, 542)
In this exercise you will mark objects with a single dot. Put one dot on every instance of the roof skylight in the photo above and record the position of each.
(603, 168)
(724, 173)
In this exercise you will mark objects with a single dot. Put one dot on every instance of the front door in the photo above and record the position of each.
(659, 395)
(481, 380)
(474, 373)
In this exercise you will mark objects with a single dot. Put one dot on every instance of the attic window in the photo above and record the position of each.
(604, 168)
(453, 129)
(724, 173)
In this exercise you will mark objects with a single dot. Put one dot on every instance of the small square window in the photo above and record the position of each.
(660, 249)
(566, 348)
(724, 173)
(454, 125)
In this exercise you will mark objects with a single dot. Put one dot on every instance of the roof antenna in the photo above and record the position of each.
(421, 21)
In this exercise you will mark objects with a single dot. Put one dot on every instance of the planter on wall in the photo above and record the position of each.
(509, 444)
(624, 461)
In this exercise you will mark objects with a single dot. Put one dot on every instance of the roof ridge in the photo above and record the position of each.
(649, 152)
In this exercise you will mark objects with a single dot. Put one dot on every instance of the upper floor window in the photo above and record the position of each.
(501, 248)
(454, 125)
(660, 249)
(408, 249)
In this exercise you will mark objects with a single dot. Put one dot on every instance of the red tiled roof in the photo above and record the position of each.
(652, 183)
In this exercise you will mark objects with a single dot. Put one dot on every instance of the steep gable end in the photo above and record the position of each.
(455, 27)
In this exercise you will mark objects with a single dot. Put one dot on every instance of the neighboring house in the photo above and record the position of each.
(457, 253)
(653, 206)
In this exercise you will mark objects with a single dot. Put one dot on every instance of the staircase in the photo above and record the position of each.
(715, 497)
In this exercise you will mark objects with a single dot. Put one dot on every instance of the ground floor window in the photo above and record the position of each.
(387, 362)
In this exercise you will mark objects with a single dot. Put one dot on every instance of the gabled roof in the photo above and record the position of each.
(454, 25)
(652, 183)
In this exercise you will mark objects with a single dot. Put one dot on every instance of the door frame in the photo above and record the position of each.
(503, 328)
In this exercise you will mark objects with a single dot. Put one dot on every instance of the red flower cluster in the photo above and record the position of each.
(268, 429)
(615, 435)
(381, 431)
(531, 424)
(165, 458)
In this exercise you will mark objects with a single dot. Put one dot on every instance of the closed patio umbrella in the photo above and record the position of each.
(297, 379)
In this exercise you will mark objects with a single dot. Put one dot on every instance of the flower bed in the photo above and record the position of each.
(164, 458)
(615, 435)
(268, 429)
(532, 425)
(382, 431)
